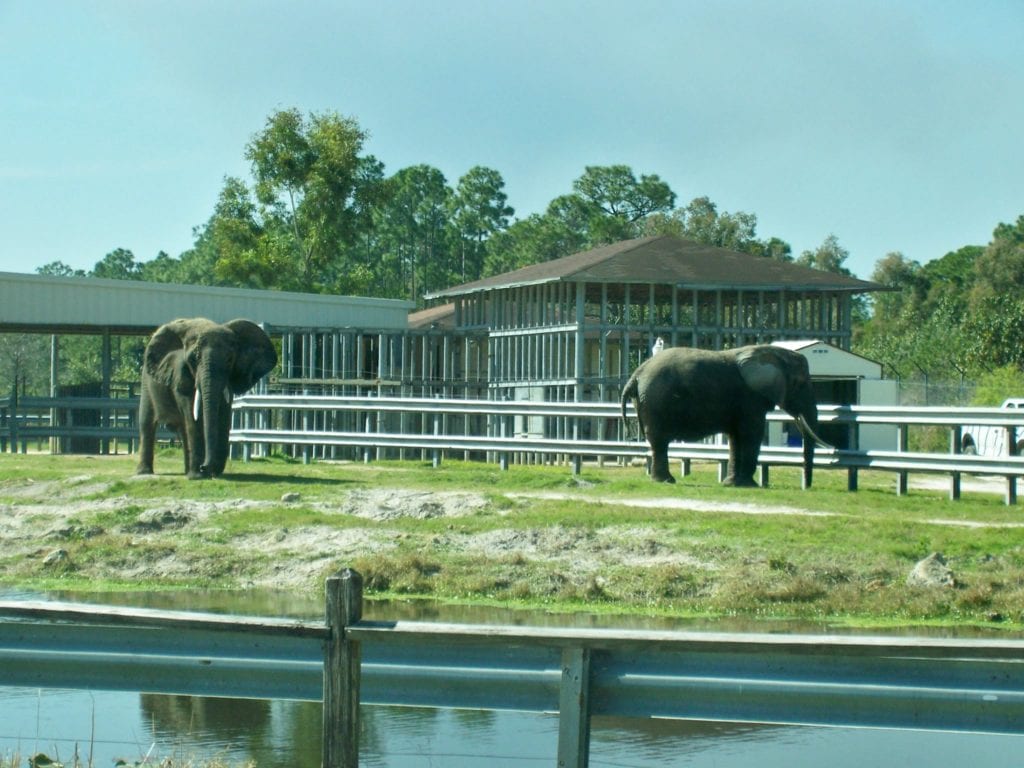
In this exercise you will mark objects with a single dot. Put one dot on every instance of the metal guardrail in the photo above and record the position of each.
(891, 682)
(506, 444)
(256, 416)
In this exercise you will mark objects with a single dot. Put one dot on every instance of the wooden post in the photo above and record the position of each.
(574, 709)
(341, 672)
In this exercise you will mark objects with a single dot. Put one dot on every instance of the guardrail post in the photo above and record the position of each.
(1011, 481)
(437, 433)
(341, 671)
(574, 709)
(367, 428)
(955, 447)
(902, 477)
(852, 476)
(503, 457)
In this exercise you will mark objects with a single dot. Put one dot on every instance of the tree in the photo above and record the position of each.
(829, 257)
(316, 195)
(412, 231)
(700, 221)
(119, 264)
(997, 385)
(608, 203)
(479, 209)
(615, 191)
(163, 269)
(908, 288)
(24, 364)
(1000, 267)
(60, 269)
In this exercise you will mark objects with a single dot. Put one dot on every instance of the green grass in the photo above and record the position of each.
(572, 542)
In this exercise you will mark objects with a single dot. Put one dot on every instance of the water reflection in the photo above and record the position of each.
(274, 603)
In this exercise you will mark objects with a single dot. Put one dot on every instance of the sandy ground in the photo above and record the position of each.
(43, 521)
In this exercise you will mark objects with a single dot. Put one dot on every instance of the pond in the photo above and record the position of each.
(102, 727)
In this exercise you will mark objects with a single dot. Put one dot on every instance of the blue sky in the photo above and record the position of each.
(896, 126)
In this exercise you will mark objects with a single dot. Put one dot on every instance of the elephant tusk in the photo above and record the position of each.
(227, 396)
(195, 405)
(805, 428)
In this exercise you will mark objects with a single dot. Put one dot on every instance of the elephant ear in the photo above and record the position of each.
(763, 372)
(168, 338)
(255, 355)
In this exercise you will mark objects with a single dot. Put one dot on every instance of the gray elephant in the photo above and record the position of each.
(687, 394)
(191, 370)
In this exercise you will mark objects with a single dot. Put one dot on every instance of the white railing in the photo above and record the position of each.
(501, 432)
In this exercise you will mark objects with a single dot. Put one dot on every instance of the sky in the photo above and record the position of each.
(894, 125)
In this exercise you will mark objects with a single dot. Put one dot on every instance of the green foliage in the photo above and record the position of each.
(957, 318)
(998, 384)
(320, 215)
(24, 364)
(607, 204)
(830, 256)
(119, 264)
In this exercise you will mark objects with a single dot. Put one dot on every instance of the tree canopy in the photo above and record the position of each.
(320, 214)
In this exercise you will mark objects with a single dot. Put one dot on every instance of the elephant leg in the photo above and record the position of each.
(744, 447)
(659, 465)
(192, 443)
(147, 437)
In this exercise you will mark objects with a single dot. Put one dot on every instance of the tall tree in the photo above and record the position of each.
(164, 268)
(1000, 268)
(479, 209)
(611, 203)
(119, 264)
(829, 256)
(412, 228)
(310, 181)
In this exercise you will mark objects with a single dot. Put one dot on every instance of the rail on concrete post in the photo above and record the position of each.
(342, 662)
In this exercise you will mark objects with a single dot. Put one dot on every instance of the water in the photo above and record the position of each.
(102, 727)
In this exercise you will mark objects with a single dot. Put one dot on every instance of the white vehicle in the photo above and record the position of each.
(991, 441)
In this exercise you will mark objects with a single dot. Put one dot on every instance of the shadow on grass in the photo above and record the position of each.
(262, 477)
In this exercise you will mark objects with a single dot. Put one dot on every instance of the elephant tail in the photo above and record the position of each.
(630, 392)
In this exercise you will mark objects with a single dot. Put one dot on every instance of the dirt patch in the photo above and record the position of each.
(386, 505)
(123, 539)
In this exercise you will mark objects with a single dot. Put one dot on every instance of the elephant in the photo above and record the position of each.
(685, 393)
(191, 370)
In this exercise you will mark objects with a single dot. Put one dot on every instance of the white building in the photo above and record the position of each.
(845, 378)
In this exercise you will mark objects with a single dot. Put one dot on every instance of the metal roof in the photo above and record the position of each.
(668, 260)
(42, 303)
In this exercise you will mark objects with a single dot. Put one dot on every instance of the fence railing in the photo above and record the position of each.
(890, 682)
(539, 431)
(510, 431)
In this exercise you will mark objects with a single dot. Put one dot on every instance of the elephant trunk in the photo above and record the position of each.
(208, 400)
(807, 425)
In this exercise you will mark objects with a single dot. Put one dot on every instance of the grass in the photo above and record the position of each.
(573, 543)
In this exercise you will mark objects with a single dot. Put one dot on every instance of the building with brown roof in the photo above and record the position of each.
(575, 328)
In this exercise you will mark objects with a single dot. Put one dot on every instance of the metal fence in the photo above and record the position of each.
(513, 431)
(891, 682)
(510, 432)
